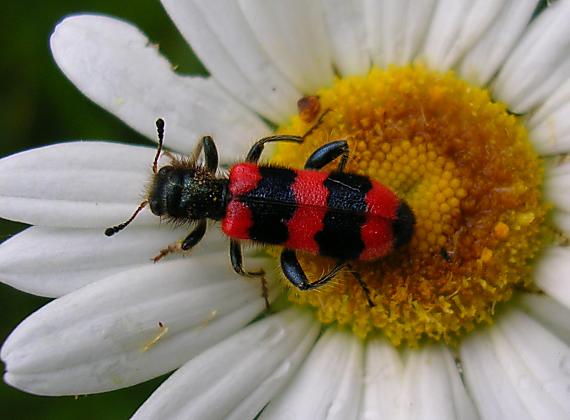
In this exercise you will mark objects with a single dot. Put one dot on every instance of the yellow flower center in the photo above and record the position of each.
(466, 168)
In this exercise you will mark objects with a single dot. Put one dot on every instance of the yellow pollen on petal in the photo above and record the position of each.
(466, 168)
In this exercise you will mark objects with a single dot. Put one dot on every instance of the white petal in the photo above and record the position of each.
(258, 359)
(293, 34)
(552, 134)
(396, 29)
(537, 364)
(540, 62)
(552, 274)
(382, 381)
(557, 190)
(561, 220)
(549, 313)
(345, 26)
(455, 27)
(487, 381)
(328, 385)
(53, 262)
(107, 335)
(484, 59)
(555, 169)
(221, 37)
(81, 184)
(432, 388)
(115, 65)
(559, 99)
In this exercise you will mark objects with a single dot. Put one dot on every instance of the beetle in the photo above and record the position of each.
(341, 215)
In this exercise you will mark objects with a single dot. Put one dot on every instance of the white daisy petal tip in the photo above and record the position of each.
(99, 55)
(76, 184)
(126, 329)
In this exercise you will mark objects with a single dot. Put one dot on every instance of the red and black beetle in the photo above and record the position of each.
(336, 214)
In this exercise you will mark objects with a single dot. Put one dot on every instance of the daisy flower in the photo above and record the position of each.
(461, 107)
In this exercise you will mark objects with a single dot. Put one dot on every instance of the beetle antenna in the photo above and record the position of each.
(160, 131)
(112, 230)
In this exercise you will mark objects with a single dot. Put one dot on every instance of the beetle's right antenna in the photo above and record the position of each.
(160, 130)
(112, 230)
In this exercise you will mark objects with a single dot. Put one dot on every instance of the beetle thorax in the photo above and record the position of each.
(187, 193)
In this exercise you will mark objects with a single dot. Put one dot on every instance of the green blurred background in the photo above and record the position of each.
(40, 106)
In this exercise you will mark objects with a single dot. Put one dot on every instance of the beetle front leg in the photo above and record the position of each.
(195, 235)
(210, 153)
(255, 152)
(327, 153)
(236, 258)
(296, 275)
(188, 243)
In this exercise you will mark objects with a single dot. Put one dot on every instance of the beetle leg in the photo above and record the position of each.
(195, 235)
(295, 274)
(362, 284)
(327, 153)
(190, 241)
(210, 153)
(237, 261)
(173, 248)
(237, 264)
(255, 152)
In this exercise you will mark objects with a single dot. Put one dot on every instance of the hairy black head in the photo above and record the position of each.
(187, 193)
